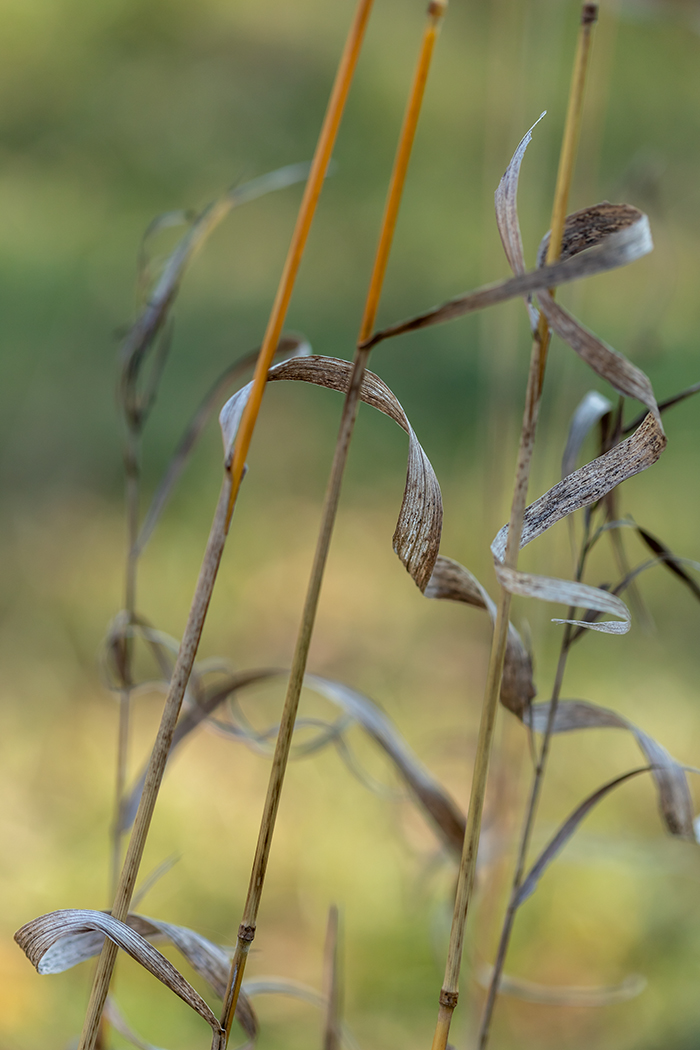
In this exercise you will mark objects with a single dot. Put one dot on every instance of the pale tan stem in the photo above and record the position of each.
(159, 756)
(246, 931)
(467, 871)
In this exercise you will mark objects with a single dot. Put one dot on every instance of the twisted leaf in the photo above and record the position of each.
(417, 537)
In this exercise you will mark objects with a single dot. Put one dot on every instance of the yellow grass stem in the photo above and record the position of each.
(246, 931)
(217, 538)
(312, 192)
(465, 884)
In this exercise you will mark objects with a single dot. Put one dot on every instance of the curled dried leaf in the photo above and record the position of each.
(579, 489)
(60, 940)
(629, 240)
(675, 802)
(148, 325)
(506, 202)
(451, 581)
(40, 940)
(417, 535)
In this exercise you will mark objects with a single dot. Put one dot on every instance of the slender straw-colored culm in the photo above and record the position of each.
(450, 989)
(246, 931)
(215, 546)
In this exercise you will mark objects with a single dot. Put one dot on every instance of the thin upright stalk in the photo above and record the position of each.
(312, 192)
(449, 993)
(531, 811)
(220, 525)
(246, 931)
(159, 756)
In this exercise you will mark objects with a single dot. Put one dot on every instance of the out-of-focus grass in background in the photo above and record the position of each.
(114, 111)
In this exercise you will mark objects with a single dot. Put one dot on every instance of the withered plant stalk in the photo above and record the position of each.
(465, 883)
(222, 518)
(246, 932)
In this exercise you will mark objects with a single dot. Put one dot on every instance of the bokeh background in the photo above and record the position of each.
(113, 111)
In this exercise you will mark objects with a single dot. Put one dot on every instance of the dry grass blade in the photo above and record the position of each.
(452, 582)
(590, 410)
(72, 946)
(152, 318)
(529, 884)
(672, 562)
(506, 204)
(442, 812)
(288, 346)
(628, 239)
(552, 995)
(675, 801)
(38, 937)
(669, 402)
(417, 536)
(579, 489)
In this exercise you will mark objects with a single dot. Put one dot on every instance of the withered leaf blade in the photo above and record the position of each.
(436, 804)
(417, 536)
(553, 995)
(452, 582)
(672, 562)
(506, 202)
(579, 489)
(529, 884)
(675, 801)
(154, 315)
(630, 240)
(668, 402)
(39, 936)
(606, 362)
(590, 410)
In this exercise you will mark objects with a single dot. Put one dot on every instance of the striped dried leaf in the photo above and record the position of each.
(417, 537)
(41, 940)
(452, 582)
(579, 489)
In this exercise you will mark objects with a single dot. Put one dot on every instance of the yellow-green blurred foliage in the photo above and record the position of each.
(112, 111)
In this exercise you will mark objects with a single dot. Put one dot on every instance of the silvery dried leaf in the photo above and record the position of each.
(553, 995)
(41, 940)
(579, 489)
(417, 536)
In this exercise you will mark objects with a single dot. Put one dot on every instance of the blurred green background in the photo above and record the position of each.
(113, 111)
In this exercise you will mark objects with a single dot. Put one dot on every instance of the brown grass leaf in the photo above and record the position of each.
(529, 884)
(506, 202)
(675, 802)
(153, 317)
(436, 804)
(629, 239)
(452, 582)
(40, 940)
(579, 489)
(417, 535)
